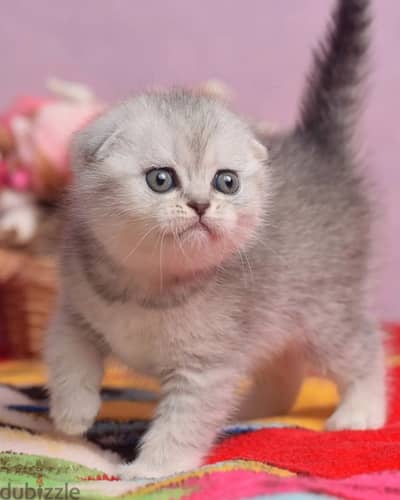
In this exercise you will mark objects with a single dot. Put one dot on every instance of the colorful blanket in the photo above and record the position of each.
(282, 458)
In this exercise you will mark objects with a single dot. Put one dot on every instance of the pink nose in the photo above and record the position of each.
(199, 208)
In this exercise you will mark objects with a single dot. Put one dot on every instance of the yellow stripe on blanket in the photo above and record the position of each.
(33, 372)
(126, 410)
(316, 401)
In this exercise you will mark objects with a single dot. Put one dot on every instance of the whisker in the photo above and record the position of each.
(161, 248)
(179, 243)
(131, 252)
(243, 258)
(242, 265)
(248, 265)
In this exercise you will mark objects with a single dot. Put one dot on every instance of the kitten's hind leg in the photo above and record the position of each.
(75, 365)
(361, 383)
(275, 386)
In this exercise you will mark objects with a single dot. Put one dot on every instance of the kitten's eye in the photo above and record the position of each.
(161, 180)
(226, 181)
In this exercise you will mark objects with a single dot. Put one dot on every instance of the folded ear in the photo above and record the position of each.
(92, 143)
(259, 150)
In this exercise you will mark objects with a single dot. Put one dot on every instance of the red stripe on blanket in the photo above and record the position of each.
(326, 454)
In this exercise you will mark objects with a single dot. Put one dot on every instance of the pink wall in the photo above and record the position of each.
(259, 47)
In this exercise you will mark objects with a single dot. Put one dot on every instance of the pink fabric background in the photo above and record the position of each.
(259, 47)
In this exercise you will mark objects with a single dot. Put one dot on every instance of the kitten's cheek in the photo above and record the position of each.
(244, 230)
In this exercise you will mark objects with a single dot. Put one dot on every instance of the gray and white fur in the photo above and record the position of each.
(203, 288)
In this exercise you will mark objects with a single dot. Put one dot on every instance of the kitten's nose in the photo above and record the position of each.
(198, 207)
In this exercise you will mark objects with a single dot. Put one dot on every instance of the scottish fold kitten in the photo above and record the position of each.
(200, 253)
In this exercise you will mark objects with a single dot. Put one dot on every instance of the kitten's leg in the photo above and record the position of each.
(275, 387)
(360, 376)
(195, 405)
(75, 364)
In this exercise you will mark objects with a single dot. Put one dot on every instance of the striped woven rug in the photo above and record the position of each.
(286, 457)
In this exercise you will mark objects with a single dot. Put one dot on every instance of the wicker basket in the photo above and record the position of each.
(28, 288)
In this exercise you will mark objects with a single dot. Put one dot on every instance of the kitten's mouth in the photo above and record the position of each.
(201, 227)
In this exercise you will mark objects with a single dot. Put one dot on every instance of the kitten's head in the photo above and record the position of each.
(171, 176)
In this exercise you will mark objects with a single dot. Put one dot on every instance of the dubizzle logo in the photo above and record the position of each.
(18, 491)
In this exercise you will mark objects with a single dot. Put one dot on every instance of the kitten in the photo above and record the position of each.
(193, 254)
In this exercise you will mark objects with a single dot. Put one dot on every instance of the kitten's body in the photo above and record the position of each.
(278, 281)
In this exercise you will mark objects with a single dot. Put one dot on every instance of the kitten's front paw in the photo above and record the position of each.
(75, 414)
(140, 469)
